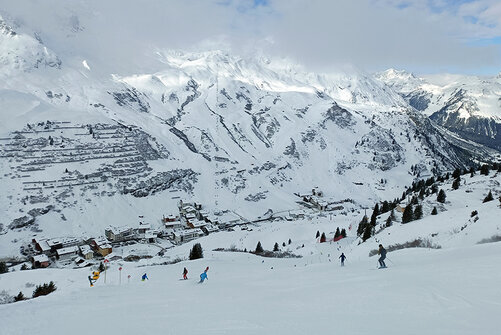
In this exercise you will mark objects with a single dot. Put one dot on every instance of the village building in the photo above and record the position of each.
(209, 229)
(202, 215)
(150, 236)
(119, 234)
(141, 230)
(68, 253)
(195, 223)
(170, 218)
(64, 242)
(40, 261)
(181, 236)
(228, 219)
(173, 224)
(210, 218)
(86, 252)
(102, 246)
(41, 245)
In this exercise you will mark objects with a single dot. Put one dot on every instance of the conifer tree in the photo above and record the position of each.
(374, 215)
(283, 244)
(434, 189)
(385, 207)
(389, 221)
(3, 267)
(489, 197)
(361, 225)
(456, 173)
(337, 233)
(434, 211)
(343, 232)
(259, 248)
(196, 252)
(456, 183)
(418, 212)
(422, 193)
(276, 247)
(290, 241)
(367, 233)
(408, 214)
(472, 172)
(441, 196)
(323, 238)
(19, 297)
(484, 169)
(318, 234)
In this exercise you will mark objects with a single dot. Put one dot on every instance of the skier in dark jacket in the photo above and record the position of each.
(382, 252)
(343, 257)
(144, 277)
(185, 273)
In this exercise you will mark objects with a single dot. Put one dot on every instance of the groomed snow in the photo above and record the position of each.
(452, 291)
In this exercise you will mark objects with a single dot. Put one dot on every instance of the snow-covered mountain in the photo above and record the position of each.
(469, 106)
(230, 132)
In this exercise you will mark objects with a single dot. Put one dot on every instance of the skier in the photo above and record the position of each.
(343, 257)
(144, 277)
(203, 276)
(94, 278)
(185, 274)
(382, 252)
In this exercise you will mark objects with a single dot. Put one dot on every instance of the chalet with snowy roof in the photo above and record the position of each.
(68, 253)
(181, 236)
(170, 218)
(209, 229)
(119, 234)
(210, 218)
(40, 261)
(142, 229)
(195, 223)
(173, 224)
(150, 236)
(228, 219)
(86, 252)
(102, 246)
(41, 245)
(400, 208)
(201, 215)
(63, 242)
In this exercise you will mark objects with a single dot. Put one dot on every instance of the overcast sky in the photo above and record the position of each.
(456, 36)
(422, 36)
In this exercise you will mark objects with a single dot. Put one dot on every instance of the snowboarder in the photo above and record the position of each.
(203, 276)
(342, 257)
(144, 277)
(94, 278)
(185, 274)
(382, 252)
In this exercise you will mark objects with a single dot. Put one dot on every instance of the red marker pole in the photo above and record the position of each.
(105, 263)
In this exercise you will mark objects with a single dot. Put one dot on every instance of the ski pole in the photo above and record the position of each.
(390, 261)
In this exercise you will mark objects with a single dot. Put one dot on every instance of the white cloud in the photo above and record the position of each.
(373, 34)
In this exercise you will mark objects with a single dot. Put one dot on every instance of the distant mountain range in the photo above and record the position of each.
(82, 128)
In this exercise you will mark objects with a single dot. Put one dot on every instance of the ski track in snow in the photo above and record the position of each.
(431, 291)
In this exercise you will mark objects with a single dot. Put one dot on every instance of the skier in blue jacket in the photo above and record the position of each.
(144, 277)
(203, 276)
